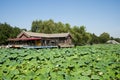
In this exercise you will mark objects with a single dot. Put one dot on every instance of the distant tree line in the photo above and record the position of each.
(79, 34)
(7, 31)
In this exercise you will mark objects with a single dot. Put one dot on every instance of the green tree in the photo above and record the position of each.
(87, 38)
(104, 37)
(117, 39)
(76, 36)
(95, 39)
(67, 27)
(15, 32)
(80, 37)
(60, 27)
(7, 31)
(49, 26)
(79, 34)
(35, 26)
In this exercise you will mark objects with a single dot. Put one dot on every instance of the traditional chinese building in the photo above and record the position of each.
(30, 39)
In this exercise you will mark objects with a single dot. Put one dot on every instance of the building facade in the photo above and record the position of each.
(26, 38)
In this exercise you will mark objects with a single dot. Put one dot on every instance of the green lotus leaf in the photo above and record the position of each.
(86, 73)
(79, 63)
(84, 78)
(53, 75)
(95, 77)
(118, 76)
(106, 77)
(28, 57)
(43, 77)
(5, 78)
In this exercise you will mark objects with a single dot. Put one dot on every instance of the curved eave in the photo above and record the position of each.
(24, 39)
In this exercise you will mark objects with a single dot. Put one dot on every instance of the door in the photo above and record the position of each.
(38, 43)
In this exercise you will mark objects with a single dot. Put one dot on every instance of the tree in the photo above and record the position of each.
(95, 39)
(79, 34)
(15, 32)
(117, 39)
(87, 38)
(104, 37)
(35, 26)
(49, 26)
(7, 31)
(76, 36)
(67, 27)
(60, 27)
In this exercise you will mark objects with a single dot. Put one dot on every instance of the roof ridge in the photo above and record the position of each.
(47, 33)
(34, 34)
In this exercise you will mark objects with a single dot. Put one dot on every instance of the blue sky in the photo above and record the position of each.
(97, 16)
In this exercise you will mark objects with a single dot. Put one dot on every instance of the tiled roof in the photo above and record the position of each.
(33, 34)
(23, 39)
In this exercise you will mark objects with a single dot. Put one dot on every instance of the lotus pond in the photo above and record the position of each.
(96, 62)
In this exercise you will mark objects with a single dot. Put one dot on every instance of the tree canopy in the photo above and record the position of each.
(79, 34)
(104, 37)
(7, 31)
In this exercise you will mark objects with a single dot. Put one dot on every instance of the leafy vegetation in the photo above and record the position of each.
(79, 34)
(7, 31)
(80, 63)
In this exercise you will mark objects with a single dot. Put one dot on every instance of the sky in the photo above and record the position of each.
(97, 16)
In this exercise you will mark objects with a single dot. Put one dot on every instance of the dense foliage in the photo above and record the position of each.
(79, 34)
(7, 31)
(96, 62)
